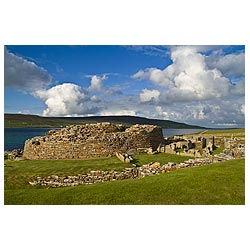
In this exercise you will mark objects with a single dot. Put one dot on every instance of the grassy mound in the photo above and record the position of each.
(213, 184)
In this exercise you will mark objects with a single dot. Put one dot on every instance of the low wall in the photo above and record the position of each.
(98, 176)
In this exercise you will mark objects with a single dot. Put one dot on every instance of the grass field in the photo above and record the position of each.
(240, 132)
(17, 173)
(213, 184)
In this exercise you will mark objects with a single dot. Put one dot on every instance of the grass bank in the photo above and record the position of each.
(213, 184)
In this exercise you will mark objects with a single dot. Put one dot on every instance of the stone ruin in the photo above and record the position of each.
(203, 146)
(234, 148)
(93, 141)
(195, 146)
(15, 154)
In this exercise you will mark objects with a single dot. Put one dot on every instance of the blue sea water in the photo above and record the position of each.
(15, 137)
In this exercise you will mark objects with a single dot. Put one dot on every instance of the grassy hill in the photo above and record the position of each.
(22, 121)
(222, 183)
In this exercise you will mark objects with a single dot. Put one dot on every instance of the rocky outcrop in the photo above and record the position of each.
(93, 141)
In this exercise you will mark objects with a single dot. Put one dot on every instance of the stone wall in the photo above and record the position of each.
(92, 141)
(98, 176)
(192, 145)
(235, 147)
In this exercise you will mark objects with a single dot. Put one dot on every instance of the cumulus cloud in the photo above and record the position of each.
(196, 88)
(97, 86)
(209, 113)
(149, 95)
(64, 99)
(96, 83)
(187, 78)
(229, 65)
(95, 98)
(22, 74)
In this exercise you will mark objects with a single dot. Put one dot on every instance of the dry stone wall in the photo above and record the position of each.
(98, 176)
(235, 147)
(192, 145)
(92, 141)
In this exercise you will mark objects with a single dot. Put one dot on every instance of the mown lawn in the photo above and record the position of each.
(213, 184)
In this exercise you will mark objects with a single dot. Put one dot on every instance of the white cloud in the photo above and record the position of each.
(97, 86)
(95, 98)
(118, 112)
(96, 83)
(25, 111)
(187, 78)
(140, 74)
(149, 95)
(242, 109)
(227, 124)
(196, 90)
(62, 100)
(22, 74)
(238, 88)
(229, 65)
(209, 113)
(206, 48)
(193, 89)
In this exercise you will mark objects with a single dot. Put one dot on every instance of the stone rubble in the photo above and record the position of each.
(15, 154)
(124, 157)
(223, 156)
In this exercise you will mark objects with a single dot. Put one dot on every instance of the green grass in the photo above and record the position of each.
(226, 131)
(234, 135)
(18, 173)
(163, 158)
(181, 150)
(30, 124)
(218, 151)
(221, 183)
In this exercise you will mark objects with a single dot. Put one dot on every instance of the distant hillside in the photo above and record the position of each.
(22, 121)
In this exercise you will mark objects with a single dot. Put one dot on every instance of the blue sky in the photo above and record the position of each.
(201, 85)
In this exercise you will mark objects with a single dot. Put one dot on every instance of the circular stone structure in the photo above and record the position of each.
(92, 141)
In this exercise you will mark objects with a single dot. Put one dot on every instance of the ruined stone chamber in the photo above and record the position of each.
(92, 141)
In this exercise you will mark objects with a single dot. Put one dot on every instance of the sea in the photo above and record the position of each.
(15, 138)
